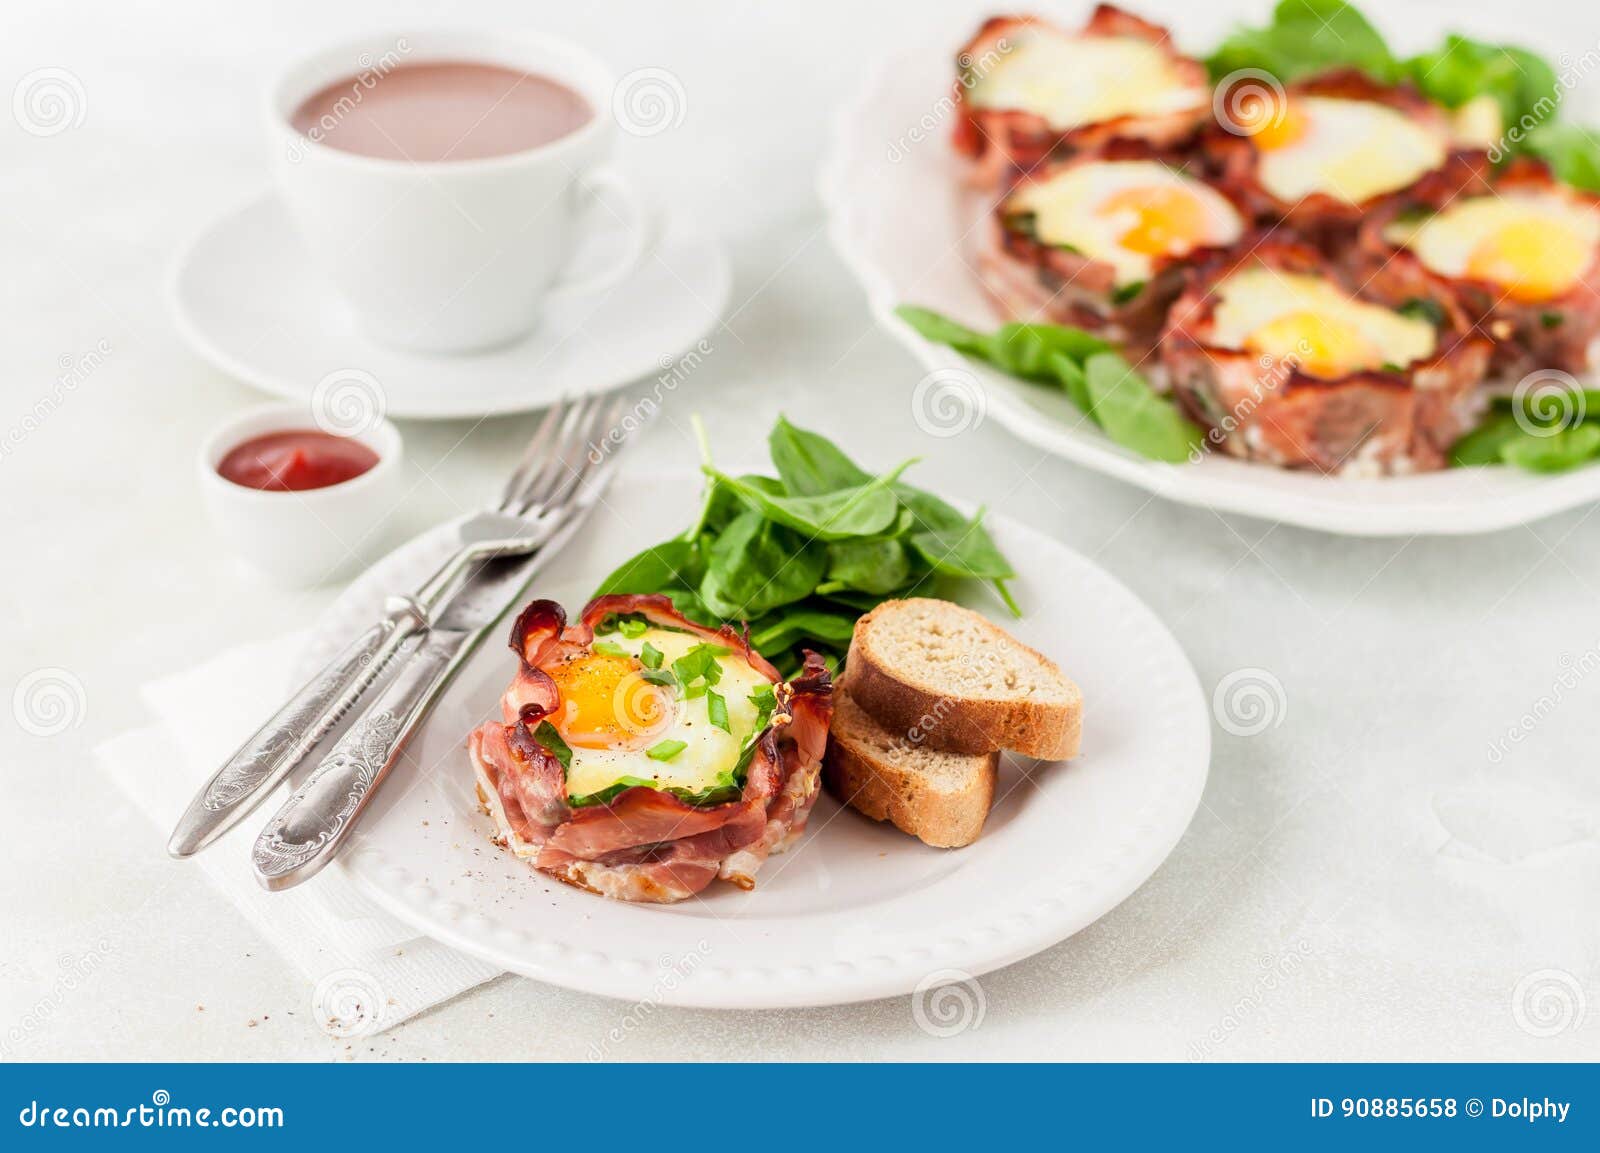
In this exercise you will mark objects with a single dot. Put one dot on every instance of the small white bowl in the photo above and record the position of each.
(309, 537)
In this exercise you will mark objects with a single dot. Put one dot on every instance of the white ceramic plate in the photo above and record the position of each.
(901, 220)
(855, 910)
(247, 297)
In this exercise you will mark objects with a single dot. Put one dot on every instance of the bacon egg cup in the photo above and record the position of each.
(1291, 360)
(642, 756)
(1519, 249)
(1027, 89)
(1322, 153)
(1104, 241)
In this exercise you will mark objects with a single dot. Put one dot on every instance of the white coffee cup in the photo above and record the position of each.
(456, 255)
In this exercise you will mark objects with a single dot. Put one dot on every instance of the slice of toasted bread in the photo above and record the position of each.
(950, 680)
(940, 798)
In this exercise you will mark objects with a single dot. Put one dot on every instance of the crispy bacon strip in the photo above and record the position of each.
(645, 844)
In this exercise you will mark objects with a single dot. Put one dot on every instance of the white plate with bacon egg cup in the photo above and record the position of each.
(854, 909)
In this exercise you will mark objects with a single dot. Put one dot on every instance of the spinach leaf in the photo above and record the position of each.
(809, 464)
(1558, 452)
(1306, 37)
(783, 630)
(1133, 414)
(1572, 152)
(668, 564)
(942, 330)
(874, 566)
(547, 736)
(860, 510)
(757, 565)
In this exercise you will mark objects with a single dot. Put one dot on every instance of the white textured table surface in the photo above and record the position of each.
(1381, 873)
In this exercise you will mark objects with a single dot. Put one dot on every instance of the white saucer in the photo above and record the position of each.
(248, 298)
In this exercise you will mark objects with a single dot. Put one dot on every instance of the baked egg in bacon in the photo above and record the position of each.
(1314, 323)
(1130, 214)
(1351, 150)
(1296, 360)
(1532, 244)
(1072, 79)
(657, 707)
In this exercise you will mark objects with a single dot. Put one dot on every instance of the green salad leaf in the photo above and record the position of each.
(1307, 37)
(1542, 431)
(1088, 369)
(798, 557)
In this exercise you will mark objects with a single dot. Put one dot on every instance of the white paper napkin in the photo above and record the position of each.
(368, 970)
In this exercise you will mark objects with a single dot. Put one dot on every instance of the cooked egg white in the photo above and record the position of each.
(1075, 80)
(1128, 213)
(611, 716)
(1348, 149)
(1314, 322)
(1533, 244)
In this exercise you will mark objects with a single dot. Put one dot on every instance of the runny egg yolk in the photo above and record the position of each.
(1531, 244)
(1314, 323)
(1323, 346)
(1532, 258)
(1278, 125)
(1164, 220)
(607, 704)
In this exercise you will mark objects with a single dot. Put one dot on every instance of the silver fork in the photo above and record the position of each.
(534, 505)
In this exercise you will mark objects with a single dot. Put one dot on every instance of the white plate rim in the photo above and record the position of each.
(200, 340)
(1217, 483)
(1015, 933)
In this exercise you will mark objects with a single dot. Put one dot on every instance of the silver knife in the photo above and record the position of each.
(310, 828)
(530, 510)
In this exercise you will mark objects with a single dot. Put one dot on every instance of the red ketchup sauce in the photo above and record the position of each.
(295, 460)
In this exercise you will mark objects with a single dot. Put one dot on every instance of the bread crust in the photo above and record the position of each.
(885, 791)
(1048, 730)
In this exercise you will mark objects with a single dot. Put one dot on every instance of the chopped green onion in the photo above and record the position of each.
(665, 750)
(717, 711)
(650, 656)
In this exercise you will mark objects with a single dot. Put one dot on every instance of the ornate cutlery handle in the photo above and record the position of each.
(307, 831)
(308, 716)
